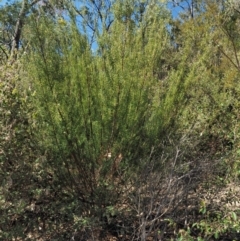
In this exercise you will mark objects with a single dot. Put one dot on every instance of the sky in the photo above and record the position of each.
(174, 11)
(2, 2)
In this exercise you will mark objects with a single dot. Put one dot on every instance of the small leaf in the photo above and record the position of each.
(216, 235)
(234, 216)
(195, 225)
(14, 91)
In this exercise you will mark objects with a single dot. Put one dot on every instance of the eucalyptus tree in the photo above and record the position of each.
(207, 52)
(15, 19)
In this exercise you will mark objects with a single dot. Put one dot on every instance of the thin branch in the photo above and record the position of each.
(81, 15)
(34, 2)
(178, 4)
(3, 50)
(221, 50)
(234, 46)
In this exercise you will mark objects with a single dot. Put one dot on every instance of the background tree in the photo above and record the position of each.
(15, 20)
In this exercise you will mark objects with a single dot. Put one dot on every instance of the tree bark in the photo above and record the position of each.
(18, 27)
(18, 30)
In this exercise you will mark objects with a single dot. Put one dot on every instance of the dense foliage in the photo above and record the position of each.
(119, 121)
